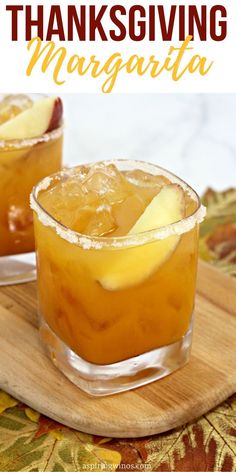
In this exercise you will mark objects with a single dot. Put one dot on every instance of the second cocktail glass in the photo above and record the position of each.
(23, 162)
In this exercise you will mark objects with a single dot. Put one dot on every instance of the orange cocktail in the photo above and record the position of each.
(117, 258)
(30, 149)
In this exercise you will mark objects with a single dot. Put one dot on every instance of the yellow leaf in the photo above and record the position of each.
(6, 401)
(112, 457)
(84, 437)
(204, 251)
(104, 440)
(32, 415)
(233, 404)
(57, 435)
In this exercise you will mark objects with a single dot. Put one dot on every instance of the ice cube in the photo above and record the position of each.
(12, 105)
(67, 195)
(106, 180)
(127, 213)
(21, 101)
(144, 179)
(71, 188)
(80, 172)
(102, 221)
(98, 182)
(76, 219)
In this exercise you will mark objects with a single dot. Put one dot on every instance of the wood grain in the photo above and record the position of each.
(208, 379)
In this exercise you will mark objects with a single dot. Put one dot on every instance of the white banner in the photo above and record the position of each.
(117, 47)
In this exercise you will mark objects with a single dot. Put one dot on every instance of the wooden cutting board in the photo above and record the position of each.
(209, 378)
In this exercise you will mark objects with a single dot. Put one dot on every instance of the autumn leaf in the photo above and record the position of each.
(220, 203)
(6, 401)
(218, 232)
(48, 446)
(196, 447)
(100, 440)
(46, 425)
(32, 414)
(223, 233)
(232, 403)
(94, 457)
(204, 252)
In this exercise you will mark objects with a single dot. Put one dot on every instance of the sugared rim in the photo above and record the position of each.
(9, 144)
(95, 242)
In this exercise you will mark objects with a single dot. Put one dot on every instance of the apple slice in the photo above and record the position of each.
(131, 266)
(34, 121)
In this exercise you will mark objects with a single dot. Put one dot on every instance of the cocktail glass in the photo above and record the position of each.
(116, 312)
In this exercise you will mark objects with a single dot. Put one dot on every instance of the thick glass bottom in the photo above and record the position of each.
(100, 380)
(17, 269)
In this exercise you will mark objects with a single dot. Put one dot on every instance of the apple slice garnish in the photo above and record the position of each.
(129, 267)
(44, 116)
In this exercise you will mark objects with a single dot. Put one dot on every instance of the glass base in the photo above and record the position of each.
(17, 269)
(100, 380)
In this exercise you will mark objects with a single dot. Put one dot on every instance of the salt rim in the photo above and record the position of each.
(6, 144)
(92, 242)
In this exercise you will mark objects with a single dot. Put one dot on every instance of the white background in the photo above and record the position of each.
(192, 135)
(14, 58)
